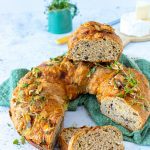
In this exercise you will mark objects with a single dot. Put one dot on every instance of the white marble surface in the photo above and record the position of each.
(24, 42)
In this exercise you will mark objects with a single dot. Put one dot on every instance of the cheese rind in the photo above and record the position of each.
(132, 26)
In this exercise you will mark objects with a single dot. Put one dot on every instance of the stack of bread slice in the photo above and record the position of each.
(87, 138)
(91, 66)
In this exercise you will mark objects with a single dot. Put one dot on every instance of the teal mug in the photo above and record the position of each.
(60, 21)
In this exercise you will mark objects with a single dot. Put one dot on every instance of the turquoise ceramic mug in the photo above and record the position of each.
(60, 21)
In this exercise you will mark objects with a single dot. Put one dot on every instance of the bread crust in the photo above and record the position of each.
(82, 132)
(92, 31)
(63, 144)
(61, 140)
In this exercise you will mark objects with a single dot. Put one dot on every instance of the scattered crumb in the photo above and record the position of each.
(22, 139)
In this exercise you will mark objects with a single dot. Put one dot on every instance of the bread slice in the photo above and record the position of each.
(97, 138)
(94, 42)
(65, 137)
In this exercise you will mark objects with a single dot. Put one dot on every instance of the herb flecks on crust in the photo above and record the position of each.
(92, 70)
(56, 60)
(127, 84)
(36, 72)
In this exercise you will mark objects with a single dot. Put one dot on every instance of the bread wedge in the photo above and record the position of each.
(124, 97)
(94, 42)
(97, 138)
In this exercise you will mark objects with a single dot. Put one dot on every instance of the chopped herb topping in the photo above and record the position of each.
(131, 79)
(92, 70)
(129, 87)
(25, 85)
(32, 101)
(115, 66)
(16, 141)
(120, 95)
(22, 139)
(42, 98)
(145, 107)
(36, 72)
(130, 83)
(20, 95)
(55, 59)
(66, 106)
(17, 103)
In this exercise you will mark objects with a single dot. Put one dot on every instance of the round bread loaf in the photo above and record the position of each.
(94, 42)
(39, 101)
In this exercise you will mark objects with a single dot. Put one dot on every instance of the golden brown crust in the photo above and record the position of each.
(91, 31)
(62, 141)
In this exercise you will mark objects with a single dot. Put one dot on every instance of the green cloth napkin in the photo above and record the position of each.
(7, 86)
(141, 137)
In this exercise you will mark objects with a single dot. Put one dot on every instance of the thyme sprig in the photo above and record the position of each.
(25, 85)
(129, 86)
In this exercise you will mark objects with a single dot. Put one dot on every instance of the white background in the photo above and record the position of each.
(25, 42)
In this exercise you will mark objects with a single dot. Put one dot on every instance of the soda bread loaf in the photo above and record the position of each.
(94, 42)
(40, 99)
(97, 138)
